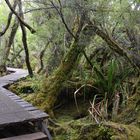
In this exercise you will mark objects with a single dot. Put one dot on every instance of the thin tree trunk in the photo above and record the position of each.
(41, 55)
(15, 56)
(11, 38)
(24, 40)
(8, 44)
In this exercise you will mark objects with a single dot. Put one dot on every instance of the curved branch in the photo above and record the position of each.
(41, 55)
(20, 19)
(115, 46)
(9, 19)
(24, 41)
(59, 11)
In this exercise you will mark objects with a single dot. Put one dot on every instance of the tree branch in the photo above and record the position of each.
(115, 46)
(59, 11)
(9, 19)
(19, 18)
(95, 69)
(24, 40)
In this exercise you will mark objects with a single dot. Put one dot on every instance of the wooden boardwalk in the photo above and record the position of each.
(14, 110)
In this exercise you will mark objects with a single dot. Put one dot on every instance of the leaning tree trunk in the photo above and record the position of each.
(8, 43)
(54, 83)
(7, 47)
(2, 56)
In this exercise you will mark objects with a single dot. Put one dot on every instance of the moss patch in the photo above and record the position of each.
(131, 114)
(73, 128)
(85, 130)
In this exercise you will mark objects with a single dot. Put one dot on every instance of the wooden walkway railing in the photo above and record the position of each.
(14, 110)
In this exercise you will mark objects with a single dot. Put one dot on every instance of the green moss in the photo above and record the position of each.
(83, 129)
(122, 132)
(131, 114)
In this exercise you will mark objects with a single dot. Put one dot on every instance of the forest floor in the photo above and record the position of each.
(73, 124)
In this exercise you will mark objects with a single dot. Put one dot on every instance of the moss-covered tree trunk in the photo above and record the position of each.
(54, 83)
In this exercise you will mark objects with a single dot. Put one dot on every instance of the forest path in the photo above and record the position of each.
(15, 75)
(13, 109)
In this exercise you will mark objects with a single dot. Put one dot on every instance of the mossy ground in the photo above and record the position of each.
(74, 125)
(131, 113)
(84, 129)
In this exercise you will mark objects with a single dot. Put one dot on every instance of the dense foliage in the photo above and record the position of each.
(76, 48)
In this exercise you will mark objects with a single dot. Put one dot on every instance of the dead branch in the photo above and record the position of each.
(59, 11)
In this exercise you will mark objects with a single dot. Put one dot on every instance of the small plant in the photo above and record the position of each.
(110, 80)
(36, 82)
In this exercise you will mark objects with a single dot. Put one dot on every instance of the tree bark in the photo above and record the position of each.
(54, 83)
(8, 44)
(15, 56)
(24, 40)
(41, 55)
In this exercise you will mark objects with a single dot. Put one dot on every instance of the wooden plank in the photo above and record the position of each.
(11, 112)
(10, 93)
(12, 108)
(14, 97)
(31, 108)
(25, 105)
(33, 136)
(39, 114)
(19, 100)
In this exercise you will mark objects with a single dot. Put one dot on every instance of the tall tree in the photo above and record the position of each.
(88, 26)
(55, 82)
